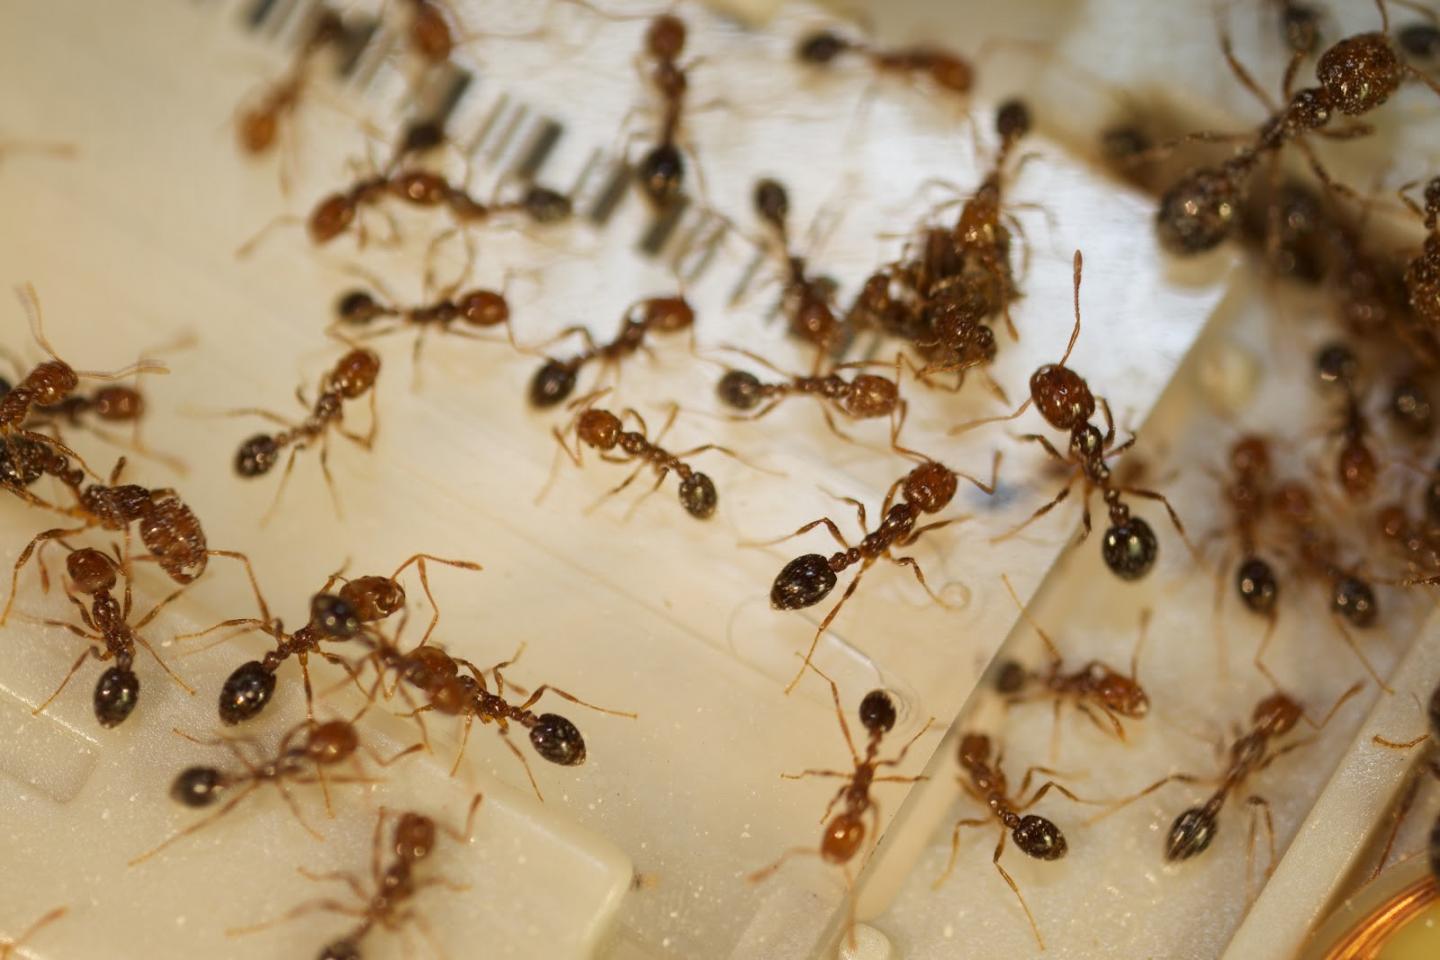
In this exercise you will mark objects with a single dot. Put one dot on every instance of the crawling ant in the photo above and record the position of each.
(984, 780)
(845, 834)
(305, 754)
(393, 885)
(949, 72)
(109, 630)
(865, 396)
(8, 947)
(438, 677)
(352, 377)
(1247, 494)
(1433, 715)
(258, 126)
(1251, 753)
(166, 524)
(1356, 75)
(661, 171)
(1065, 400)
(1422, 273)
(1094, 687)
(803, 582)
(555, 380)
(1356, 467)
(605, 432)
(807, 300)
(333, 617)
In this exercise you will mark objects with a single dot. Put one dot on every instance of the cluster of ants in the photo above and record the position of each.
(939, 302)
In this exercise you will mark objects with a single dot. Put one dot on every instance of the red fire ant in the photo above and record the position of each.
(949, 72)
(864, 396)
(555, 380)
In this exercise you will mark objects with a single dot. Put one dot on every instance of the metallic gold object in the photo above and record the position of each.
(1395, 917)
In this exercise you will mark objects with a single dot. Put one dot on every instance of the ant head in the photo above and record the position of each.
(245, 693)
(871, 396)
(1250, 456)
(331, 741)
(1255, 582)
(1129, 548)
(1190, 834)
(358, 307)
(661, 172)
(1359, 73)
(1336, 364)
(331, 217)
(414, 837)
(1062, 396)
(1122, 695)
(739, 389)
(1039, 838)
(930, 486)
(1198, 213)
(118, 403)
(975, 749)
(552, 383)
(557, 740)
(1354, 600)
(772, 202)
(370, 598)
(821, 47)
(1010, 677)
(698, 496)
(877, 712)
(600, 429)
(484, 308)
(665, 39)
(668, 314)
(813, 319)
(1012, 120)
(257, 456)
(336, 617)
(53, 381)
(355, 373)
(92, 571)
(342, 949)
(803, 582)
(1276, 715)
(116, 694)
(197, 786)
(844, 836)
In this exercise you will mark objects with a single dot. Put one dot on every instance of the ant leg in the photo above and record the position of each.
(330, 478)
(250, 623)
(1174, 517)
(333, 876)
(309, 906)
(955, 847)
(618, 488)
(764, 873)
(279, 490)
(233, 802)
(467, 834)
(250, 574)
(274, 418)
(825, 625)
(530, 701)
(830, 422)
(35, 928)
(1269, 821)
(1045, 443)
(38, 540)
(1393, 745)
(843, 774)
(899, 758)
(1359, 654)
(173, 675)
(840, 715)
(1034, 928)
(914, 566)
(972, 424)
(826, 522)
(464, 739)
(89, 652)
(1117, 805)
(526, 764)
(419, 561)
(1059, 497)
(1045, 788)
(1259, 658)
(1227, 48)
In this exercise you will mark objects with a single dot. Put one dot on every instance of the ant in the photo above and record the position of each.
(433, 672)
(50, 383)
(1356, 75)
(352, 377)
(807, 300)
(303, 756)
(845, 834)
(947, 71)
(1114, 695)
(1247, 494)
(863, 397)
(605, 432)
(1356, 467)
(394, 885)
(8, 947)
(984, 780)
(555, 380)
(335, 616)
(1250, 753)
(1065, 400)
(258, 126)
(928, 488)
(108, 629)
(1433, 715)
(167, 526)
(661, 172)
(1422, 273)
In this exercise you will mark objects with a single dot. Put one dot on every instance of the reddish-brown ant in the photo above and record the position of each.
(949, 72)
(661, 172)
(984, 780)
(845, 834)
(605, 432)
(1422, 273)
(167, 526)
(258, 126)
(1096, 685)
(1247, 494)
(438, 677)
(1356, 467)
(393, 885)
(1356, 75)
(807, 300)
(352, 377)
(1251, 753)
(305, 754)
(109, 632)
(8, 947)
(805, 581)
(864, 396)
(555, 380)
(1065, 400)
